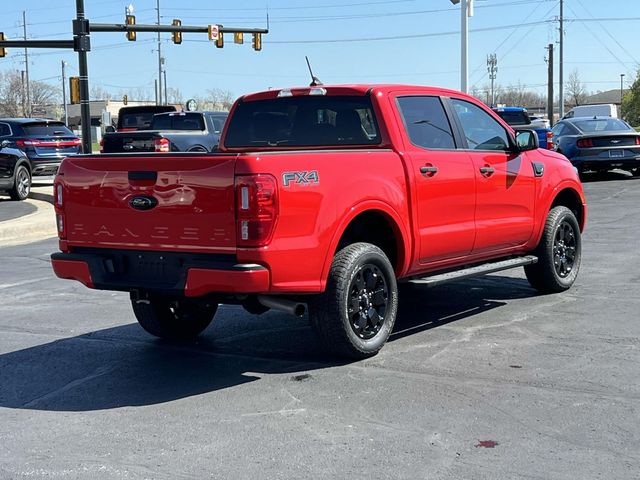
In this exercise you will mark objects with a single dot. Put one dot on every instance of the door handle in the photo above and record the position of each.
(487, 171)
(429, 170)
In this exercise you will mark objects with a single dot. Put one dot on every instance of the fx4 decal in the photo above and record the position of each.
(300, 178)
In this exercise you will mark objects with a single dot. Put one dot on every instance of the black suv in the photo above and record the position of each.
(45, 142)
(15, 172)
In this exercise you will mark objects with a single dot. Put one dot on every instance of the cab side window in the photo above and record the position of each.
(5, 130)
(480, 129)
(426, 122)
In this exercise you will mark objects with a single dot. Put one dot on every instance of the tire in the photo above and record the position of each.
(559, 253)
(173, 319)
(355, 315)
(636, 172)
(22, 184)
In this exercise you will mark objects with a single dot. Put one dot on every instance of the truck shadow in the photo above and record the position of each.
(612, 175)
(123, 366)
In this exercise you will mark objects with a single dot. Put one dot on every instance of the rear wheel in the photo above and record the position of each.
(559, 253)
(22, 185)
(356, 313)
(173, 319)
(636, 172)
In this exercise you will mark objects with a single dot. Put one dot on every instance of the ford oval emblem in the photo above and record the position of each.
(143, 202)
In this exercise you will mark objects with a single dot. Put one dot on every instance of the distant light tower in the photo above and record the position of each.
(466, 10)
(492, 68)
(621, 88)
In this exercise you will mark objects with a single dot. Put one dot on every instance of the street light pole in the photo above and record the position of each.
(561, 64)
(64, 94)
(621, 88)
(466, 9)
(464, 46)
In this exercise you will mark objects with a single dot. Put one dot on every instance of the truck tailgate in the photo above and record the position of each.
(153, 202)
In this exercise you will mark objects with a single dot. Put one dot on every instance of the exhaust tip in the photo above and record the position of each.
(299, 310)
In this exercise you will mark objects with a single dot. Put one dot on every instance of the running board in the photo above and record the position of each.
(475, 271)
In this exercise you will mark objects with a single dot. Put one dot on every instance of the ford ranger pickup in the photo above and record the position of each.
(321, 198)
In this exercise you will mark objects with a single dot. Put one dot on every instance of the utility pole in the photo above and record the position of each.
(464, 46)
(550, 84)
(492, 68)
(24, 96)
(166, 98)
(159, 57)
(156, 87)
(64, 94)
(26, 63)
(561, 65)
(621, 88)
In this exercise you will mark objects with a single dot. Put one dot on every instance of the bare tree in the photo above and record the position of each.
(175, 96)
(13, 94)
(576, 92)
(99, 93)
(220, 99)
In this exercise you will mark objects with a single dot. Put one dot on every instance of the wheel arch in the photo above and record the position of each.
(571, 199)
(389, 234)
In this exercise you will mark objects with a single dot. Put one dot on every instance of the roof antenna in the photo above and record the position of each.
(315, 81)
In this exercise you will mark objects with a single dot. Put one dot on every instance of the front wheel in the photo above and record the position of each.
(559, 253)
(173, 319)
(22, 184)
(355, 315)
(635, 172)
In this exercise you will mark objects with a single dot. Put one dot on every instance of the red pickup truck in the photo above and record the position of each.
(321, 197)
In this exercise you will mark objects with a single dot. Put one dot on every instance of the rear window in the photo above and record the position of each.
(178, 121)
(601, 125)
(515, 118)
(46, 128)
(304, 121)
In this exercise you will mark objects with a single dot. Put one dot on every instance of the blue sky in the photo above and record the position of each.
(598, 43)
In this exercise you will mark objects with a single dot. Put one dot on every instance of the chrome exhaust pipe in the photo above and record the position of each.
(282, 305)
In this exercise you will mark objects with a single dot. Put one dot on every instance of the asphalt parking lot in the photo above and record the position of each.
(482, 379)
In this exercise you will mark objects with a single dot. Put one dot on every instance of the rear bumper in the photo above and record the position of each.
(161, 272)
(602, 162)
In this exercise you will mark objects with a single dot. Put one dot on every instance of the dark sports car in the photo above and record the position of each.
(598, 143)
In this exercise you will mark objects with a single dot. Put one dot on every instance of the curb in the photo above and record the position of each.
(44, 194)
(31, 228)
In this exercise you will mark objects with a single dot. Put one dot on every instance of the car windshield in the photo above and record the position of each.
(46, 128)
(515, 118)
(600, 125)
(304, 121)
(178, 121)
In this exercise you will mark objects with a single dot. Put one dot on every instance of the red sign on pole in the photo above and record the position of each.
(214, 33)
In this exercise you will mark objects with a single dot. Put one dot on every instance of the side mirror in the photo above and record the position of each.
(5, 143)
(109, 129)
(526, 140)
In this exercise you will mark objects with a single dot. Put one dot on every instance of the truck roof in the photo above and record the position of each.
(350, 89)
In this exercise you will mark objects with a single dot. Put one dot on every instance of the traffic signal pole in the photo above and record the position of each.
(81, 39)
(81, 43)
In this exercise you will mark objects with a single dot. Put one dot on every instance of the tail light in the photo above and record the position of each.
(585, 143)
(550, 144)
(161, 145)
(28, 142)
(637, 140)
(256, 209)
(58, 203)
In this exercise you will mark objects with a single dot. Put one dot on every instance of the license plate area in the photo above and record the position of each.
(616, 153)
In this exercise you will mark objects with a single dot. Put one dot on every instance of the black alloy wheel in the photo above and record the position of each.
(368, 301)
(564, 249)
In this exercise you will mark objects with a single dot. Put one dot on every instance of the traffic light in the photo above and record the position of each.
(125, 99)
(238, 37)
(3, 52)
(131, 20)
(220, 40)
(177, 36)
(74, 90)
(257, 42)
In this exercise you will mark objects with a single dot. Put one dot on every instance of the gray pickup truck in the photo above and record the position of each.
(170, 132)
